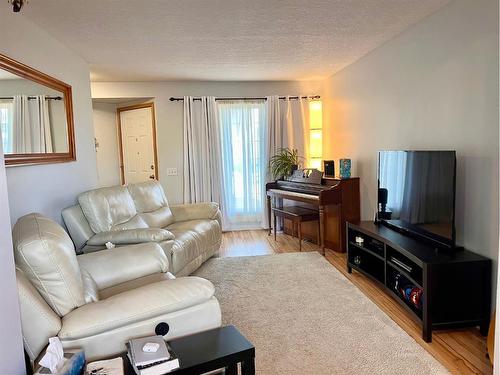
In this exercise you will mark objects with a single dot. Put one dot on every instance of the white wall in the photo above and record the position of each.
(44, 188)
(105, 129)
(11, 344)
(169, 114)
(435, 86)
(49, 188)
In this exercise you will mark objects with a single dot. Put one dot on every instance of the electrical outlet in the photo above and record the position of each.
(171, 171)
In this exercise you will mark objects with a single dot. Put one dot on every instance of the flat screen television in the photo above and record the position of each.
(416, 194)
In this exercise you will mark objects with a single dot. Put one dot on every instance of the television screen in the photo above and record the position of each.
(417, 192)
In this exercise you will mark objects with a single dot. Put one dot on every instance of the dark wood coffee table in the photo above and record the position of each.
(202, 352)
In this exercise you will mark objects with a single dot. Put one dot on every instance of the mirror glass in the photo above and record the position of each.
(36, 116)
(32, 117)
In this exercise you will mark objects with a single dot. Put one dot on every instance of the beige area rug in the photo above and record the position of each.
(305, 317)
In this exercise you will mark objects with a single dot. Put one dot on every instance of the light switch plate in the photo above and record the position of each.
(171, 171)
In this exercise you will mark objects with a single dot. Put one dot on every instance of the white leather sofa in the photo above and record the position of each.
(98, 301)
(138, 213)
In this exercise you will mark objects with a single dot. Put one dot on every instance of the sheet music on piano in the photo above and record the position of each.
(306, 175)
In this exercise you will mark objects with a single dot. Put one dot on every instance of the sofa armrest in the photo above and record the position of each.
(131, 236)
(115, 266)
(196, 211)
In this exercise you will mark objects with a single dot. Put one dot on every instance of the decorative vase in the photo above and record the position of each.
(345, 168)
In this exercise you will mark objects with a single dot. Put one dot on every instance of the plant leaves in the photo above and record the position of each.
(280, 165)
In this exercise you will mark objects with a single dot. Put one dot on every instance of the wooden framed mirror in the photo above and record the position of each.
(36, 116)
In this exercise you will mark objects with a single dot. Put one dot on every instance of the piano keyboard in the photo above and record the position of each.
(284, 194)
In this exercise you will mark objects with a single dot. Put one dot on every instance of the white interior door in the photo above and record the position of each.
(138, 144)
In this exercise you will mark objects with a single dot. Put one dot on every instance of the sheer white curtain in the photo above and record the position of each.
(227, 146)
(202, 174)
(243, 126)
(6, 119)
(31, 129)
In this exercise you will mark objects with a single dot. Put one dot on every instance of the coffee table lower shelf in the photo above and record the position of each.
(202, 352)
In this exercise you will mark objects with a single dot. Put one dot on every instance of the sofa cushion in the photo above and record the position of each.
(46, 255)
(196, 211)
(151, 203)
(192, 238)
(133, 284)
(120, 264)
(194, 319)
(160, 218)
(110, 208)
(136, 305)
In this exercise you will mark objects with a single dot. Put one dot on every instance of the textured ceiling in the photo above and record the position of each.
(137, 40)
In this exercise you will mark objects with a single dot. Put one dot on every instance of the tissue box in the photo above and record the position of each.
(74, 365)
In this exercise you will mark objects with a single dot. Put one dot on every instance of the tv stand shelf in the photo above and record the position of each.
(440, 289)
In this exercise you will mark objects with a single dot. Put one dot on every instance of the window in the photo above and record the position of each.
(315, 134)
(243, 163)
(6, 119)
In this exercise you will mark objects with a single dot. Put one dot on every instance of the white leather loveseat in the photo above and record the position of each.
(98, 301)
(138, 213)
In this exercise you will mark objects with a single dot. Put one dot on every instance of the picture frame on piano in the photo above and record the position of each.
(329, 168)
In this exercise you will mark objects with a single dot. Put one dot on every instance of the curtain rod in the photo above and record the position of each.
(172, 99)
(33, 97)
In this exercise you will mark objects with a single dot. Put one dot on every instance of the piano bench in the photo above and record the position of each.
(297, 215)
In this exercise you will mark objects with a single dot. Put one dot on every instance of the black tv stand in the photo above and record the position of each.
(419, 234)
(438, 288)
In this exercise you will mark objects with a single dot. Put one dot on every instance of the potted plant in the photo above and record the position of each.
(284, 163)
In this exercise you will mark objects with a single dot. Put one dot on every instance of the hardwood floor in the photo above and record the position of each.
(461, 351)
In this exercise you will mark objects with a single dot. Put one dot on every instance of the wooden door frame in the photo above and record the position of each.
(153, 127)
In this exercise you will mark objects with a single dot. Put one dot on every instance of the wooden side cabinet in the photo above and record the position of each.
(440, 289)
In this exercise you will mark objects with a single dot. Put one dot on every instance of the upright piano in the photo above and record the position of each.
(337, 201)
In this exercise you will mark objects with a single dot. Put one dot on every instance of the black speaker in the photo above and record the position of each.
(162, 329)
(382, 198)
(383, 213)
(329, 168)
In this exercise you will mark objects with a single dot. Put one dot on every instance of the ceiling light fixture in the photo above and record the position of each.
(17, 5)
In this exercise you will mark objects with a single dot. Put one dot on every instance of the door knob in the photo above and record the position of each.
(152, 177)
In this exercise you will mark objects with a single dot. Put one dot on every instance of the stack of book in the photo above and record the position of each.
(162, 361)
